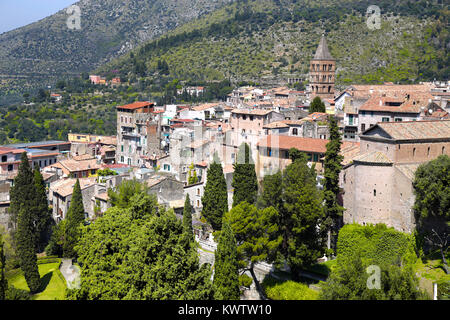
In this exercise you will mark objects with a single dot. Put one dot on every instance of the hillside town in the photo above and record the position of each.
(388, 131)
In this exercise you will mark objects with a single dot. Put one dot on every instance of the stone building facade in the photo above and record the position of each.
(377, 184)
(138, 134)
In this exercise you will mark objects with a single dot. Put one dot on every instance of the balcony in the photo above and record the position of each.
(131, 134)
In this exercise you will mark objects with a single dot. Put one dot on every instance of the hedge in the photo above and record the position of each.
(377, 244)
(51, 260)
(287, 290)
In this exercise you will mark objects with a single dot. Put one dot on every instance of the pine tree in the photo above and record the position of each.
(44, 221)
(332, 168)
(75, 219)
(215, 198)
(226, 274)
(187, 216)
(26, 250)
(245, 183)
(3, 282)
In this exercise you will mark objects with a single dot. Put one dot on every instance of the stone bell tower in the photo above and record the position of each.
(322, 72)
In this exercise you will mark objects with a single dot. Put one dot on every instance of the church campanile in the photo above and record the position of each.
(322, 72)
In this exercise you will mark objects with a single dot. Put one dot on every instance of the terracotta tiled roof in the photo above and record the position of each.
(65, 187)
(204, 106)
(408, 169)
(275, 125)
(412, 130)
(71, 165)
(258, 112)
(373, 157)
(137, 105)
(300, 143)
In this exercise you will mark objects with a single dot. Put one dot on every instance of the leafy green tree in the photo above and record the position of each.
(3, 282)
(301, 216)
(187, 216)
(192, 178)
(257, 236)
(245, 183)
(432, 204)
(226, 267)
(55, 245)
(215, 198)
(124, 255)
(317, 105)
(332, 169)
(75, 219)
(124, 191)
(271, 195)
(349, 281)
(295, 154)
(44, 221)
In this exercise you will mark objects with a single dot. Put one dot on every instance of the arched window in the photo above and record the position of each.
(428, 151)
(414, 152)
(443, 150)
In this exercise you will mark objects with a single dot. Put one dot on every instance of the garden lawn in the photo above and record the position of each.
(54, 286)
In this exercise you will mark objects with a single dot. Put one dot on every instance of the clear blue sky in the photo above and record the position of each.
(18, 13)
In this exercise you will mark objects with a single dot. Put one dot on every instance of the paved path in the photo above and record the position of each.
(70, 272)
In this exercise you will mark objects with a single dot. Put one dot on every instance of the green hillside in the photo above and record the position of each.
(273, 39)
(39, 53)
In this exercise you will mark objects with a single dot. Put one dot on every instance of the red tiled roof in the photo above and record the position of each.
(300, 143)
(137, 105)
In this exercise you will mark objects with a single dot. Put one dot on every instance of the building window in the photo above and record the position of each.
(428, 152)
(316, 157)
(363, 127)
(198, 203)
(121, 158)
(121, 148)
(374, 192)
(10, 167)
(269, 152)
(385, 119)
(4, 158)
(443, 150)
(244, 117)
(398, 119)
(198, 191)
(414, 152)
(295, 131)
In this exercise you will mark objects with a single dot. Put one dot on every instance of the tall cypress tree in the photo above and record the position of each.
(215, 198)
(26, 250)
(75, 219)
(245, 183)
(226, 267)
(44, 220)
(3, 282)
(23, 210)
(187, 216)
(332, 169)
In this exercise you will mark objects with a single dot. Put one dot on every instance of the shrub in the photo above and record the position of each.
(245, 281)
(377, 244)
(288, 290)
(17, 294)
